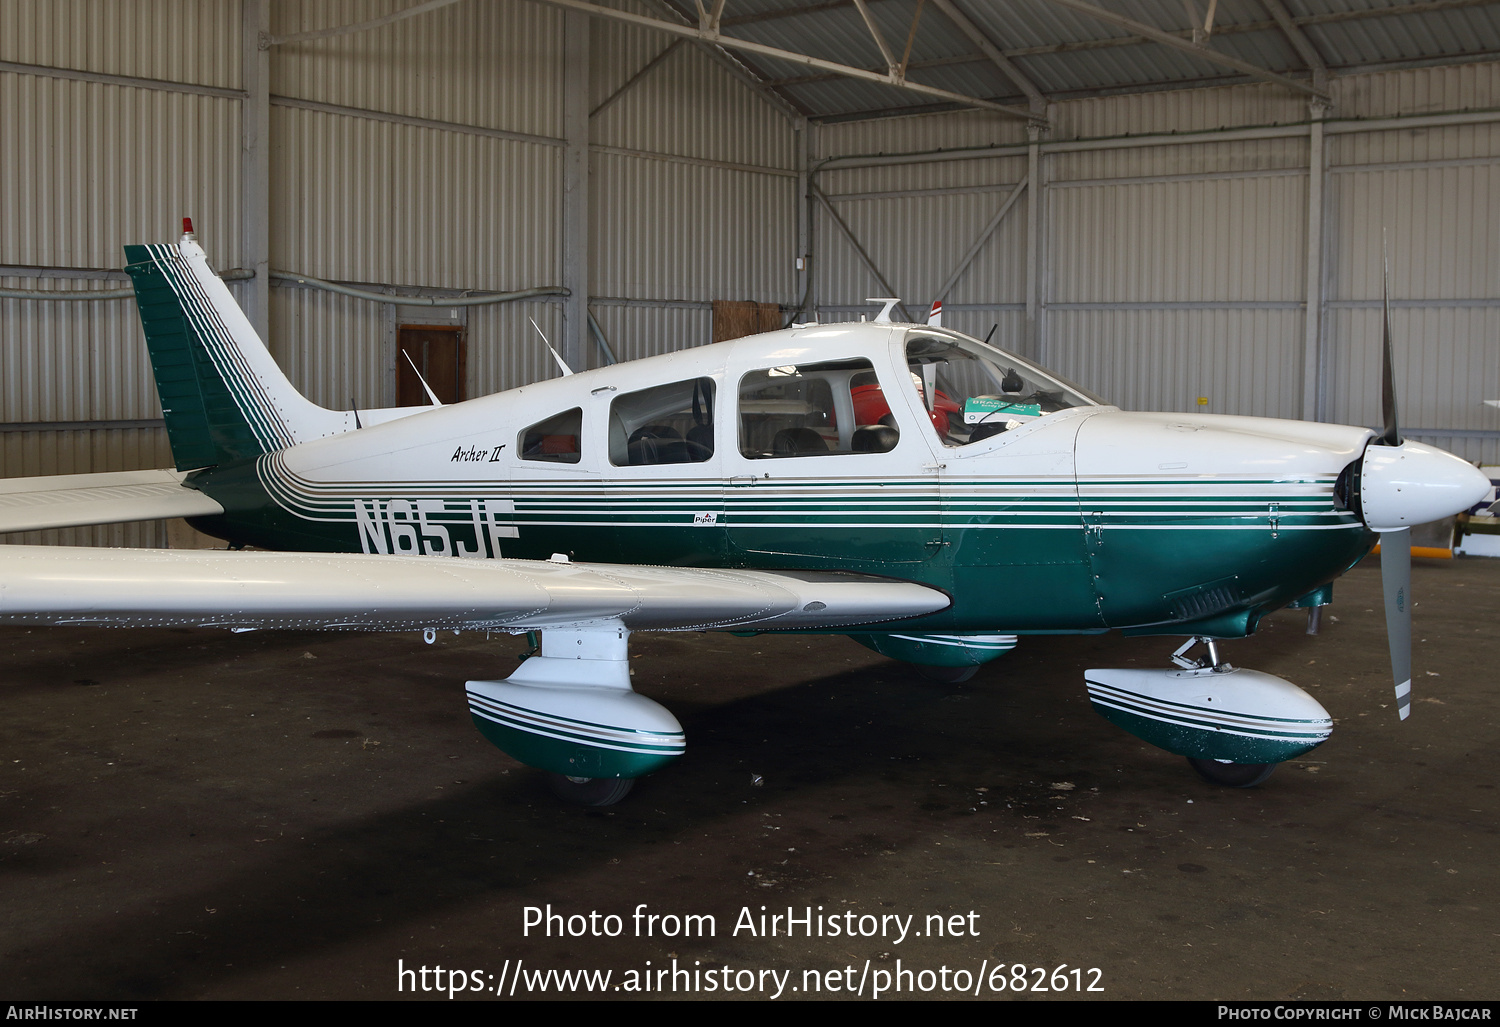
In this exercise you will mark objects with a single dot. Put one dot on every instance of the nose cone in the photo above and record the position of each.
(1415, 484)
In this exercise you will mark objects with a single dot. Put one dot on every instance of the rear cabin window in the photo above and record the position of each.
(555, 440)
(666, 424)
(815, 410)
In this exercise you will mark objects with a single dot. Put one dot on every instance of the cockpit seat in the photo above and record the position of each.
(797, 442)
(875, 438)
(656, 444)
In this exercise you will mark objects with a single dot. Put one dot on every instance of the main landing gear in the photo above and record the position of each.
(590, 791)
(569, 710)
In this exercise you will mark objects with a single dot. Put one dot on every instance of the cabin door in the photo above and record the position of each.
(823, 472)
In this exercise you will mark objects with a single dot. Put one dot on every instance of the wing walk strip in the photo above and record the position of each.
(1242, 724)
(565, 729)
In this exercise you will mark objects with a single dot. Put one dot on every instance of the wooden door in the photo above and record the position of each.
(437, 351)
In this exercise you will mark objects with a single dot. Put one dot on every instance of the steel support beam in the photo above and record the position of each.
(989, 230)
(1299, 41)
(859, 249)
(343, 30)
(1178, 43)
(1313, 392)
(731, 43)
(255, 163)
(990, 50)
(575, 191)
(1331, 127)
(406, 119)
(742, 70)
(1033, 342)
(709, 20)
(804, 221)
(630, 82)
(885, 51)
(129, 81)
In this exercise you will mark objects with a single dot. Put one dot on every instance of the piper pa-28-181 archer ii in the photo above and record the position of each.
(927, 494)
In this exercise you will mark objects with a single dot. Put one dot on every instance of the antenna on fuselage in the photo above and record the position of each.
(430, 394)
(566, 370)
(885, 311)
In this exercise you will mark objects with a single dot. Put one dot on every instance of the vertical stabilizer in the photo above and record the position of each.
(223, 397)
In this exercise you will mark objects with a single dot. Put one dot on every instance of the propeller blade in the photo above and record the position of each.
(1395, 580)
(1392, 435)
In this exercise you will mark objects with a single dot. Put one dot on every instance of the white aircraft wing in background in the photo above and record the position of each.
(111, 497)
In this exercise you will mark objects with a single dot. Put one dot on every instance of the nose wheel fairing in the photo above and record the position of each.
(1236, 715)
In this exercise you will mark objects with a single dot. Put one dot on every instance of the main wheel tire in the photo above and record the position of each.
(590, 791)
(946, 675)
(1231, 775)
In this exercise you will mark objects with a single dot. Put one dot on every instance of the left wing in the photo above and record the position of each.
(568, 709)
(357, 591)
(112, 497)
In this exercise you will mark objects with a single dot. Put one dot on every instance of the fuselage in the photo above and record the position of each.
(842, 448)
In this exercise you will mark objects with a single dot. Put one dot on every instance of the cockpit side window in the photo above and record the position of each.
(555, 440)
(665, 424)
(972, 391)
(815, 410)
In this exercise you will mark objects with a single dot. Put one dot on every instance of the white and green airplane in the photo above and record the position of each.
(927, 494)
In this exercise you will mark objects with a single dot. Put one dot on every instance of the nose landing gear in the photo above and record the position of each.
(1233, 725)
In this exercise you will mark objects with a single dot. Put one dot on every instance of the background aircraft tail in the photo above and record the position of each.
(223, 397)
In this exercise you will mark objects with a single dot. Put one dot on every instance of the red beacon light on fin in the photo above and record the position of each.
(187, 230)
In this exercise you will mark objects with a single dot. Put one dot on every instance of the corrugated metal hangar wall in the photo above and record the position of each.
(1169, 259)
(1174, 244)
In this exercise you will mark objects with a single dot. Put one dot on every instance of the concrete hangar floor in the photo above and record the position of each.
(195, 814)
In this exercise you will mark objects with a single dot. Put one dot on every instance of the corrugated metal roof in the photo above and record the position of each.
(1067, 53)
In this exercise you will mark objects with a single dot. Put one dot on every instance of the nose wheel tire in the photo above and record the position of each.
(946, 675)
(590, 791)
(1231, 775)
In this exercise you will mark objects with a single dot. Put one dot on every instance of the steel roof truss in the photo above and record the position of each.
(1177, 43)
(729, 42)
(990, 50)
(1299, 41)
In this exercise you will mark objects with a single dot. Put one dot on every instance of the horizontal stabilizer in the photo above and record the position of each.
(112, 497)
